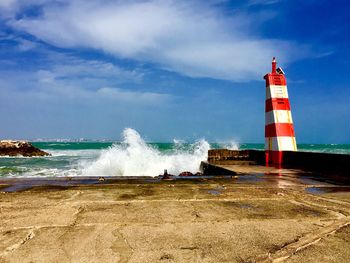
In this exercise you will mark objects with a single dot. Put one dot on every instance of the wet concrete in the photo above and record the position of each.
(271, 178)
(217, 190)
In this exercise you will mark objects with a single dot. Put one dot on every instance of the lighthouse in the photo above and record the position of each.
(279, 130)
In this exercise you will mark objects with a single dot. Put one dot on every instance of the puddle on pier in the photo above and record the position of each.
(216, 191)
(287, 180)
(328, 189)
(246, 206)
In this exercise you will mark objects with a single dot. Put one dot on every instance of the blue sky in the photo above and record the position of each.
(171, 69)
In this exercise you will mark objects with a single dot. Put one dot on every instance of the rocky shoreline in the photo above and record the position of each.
(20, 148)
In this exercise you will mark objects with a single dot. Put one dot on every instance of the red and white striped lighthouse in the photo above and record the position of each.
(279, 131)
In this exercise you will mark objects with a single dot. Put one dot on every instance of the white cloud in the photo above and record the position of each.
(64, 77)
(263, 2)
(7, 3)
(188, 37)
(45, 76)
(72, 67)
(25, 45)
(131, 96)
(21, 43)
(45, 88)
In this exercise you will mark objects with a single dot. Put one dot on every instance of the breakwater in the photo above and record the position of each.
(321, 164)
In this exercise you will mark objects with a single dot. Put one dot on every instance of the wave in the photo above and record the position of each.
(134, 157)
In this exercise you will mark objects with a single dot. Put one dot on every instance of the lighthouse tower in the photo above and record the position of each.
(279, 131)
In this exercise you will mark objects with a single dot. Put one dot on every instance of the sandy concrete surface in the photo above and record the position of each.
(256, 218)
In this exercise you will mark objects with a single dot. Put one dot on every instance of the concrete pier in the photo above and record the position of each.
(249, 218)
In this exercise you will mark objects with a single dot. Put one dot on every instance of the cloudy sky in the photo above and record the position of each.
(171, 69)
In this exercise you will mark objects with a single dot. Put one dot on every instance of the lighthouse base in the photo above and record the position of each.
(274, 158)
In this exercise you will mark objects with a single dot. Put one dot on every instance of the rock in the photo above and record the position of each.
(186, 174)
(20, 148)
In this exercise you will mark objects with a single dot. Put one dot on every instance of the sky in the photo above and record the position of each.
(171, 69)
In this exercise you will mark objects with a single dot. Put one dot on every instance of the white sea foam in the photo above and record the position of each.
(41, 172)
(133, 157)
(78, 153)
(231, 145)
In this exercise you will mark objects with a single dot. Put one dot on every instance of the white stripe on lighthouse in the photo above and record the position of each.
(274, 91)
(278, 116)
(280, 143)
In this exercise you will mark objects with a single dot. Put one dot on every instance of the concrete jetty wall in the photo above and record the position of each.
(224, 156)
(318, 162)
(324, 163)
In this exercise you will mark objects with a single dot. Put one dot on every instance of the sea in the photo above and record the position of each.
(132, 156)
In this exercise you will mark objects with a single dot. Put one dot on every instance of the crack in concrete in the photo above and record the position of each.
(305, 241)
(175, 200)
(15, 246)
(72, 197)
(333, 211)
(76, 215)
(123, 248)
(287, 250)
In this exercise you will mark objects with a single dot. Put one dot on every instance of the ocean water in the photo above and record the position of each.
(130, 157)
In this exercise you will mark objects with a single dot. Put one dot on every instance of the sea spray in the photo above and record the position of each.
(231, 145)
(134, 157)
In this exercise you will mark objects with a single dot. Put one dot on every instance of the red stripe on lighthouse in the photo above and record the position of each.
(279, 129)
(277, 104)
(276, 79)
